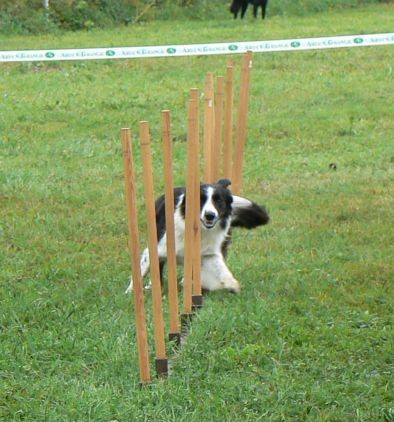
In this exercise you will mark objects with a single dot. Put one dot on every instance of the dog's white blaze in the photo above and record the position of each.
(209, 206)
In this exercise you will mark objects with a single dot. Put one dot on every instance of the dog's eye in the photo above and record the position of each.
(203, 198)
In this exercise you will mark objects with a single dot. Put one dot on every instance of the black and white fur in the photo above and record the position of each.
(220, 212)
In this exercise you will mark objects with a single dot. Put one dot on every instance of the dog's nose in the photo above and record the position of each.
(209, 216)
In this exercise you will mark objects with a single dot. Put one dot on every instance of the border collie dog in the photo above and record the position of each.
(220, 211)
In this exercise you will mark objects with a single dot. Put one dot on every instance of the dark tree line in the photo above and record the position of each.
(38, 16)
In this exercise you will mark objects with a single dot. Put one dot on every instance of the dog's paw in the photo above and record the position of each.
(235, 290)
(130, 288)
(231, 285)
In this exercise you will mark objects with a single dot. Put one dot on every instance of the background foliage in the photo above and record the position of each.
(30, 16)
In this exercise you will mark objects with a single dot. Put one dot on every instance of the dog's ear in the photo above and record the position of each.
(224, 182)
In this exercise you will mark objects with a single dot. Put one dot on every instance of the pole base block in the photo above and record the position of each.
(176, 338)
(145, 384)
(197, 302)
(162, 368)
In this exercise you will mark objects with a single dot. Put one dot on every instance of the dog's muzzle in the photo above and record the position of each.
(209, 220)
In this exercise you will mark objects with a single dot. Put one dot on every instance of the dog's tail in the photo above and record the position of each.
(248, 214)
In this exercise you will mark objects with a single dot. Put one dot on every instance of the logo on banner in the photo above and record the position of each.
(171, 50)
(110, 53)
(50, 55)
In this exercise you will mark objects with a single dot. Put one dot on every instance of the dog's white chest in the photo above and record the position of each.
(211, 239)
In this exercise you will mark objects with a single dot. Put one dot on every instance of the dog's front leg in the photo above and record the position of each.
(215, 274)
(144, 267)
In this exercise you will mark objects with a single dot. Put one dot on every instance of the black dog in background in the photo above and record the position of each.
(242, 5)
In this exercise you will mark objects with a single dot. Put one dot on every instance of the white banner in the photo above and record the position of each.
(198, 49)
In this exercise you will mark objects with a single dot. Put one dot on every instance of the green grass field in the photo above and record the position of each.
(309, 337)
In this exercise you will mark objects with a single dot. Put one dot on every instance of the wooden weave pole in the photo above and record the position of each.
(134, 246)
(228, 123)
(161, 359)
(217, 139)
(189, 223)
(194, 94)
(240, 138)
(209, 126)
(195, 156)
(175, 332)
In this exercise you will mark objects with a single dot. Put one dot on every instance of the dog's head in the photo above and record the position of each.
(215, 204)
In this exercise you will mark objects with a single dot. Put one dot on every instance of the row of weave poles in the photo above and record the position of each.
(218, 147)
